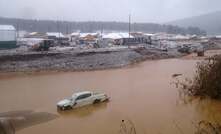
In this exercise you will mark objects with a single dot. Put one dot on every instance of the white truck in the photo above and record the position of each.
(82, 99)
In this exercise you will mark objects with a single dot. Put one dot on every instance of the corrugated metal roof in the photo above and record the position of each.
(7, 27)
(117, 35)
(82, 35)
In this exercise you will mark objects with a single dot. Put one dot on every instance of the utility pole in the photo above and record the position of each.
(48, 29)
(34, 25)
(67, 32)
(58, 29)
(17, 28)
(129, 24)
(102, 30)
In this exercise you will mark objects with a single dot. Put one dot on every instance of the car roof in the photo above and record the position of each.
(81, 93)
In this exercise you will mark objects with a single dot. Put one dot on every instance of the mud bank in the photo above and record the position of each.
(77, 61)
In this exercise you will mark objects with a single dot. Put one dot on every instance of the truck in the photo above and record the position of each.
(81, 99)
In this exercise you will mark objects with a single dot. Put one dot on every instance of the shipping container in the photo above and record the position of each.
(7, 37)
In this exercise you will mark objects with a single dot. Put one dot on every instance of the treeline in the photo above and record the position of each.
(69, 27)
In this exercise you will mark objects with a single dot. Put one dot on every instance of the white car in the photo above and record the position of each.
(81, 99)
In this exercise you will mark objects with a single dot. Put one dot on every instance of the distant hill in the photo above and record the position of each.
(68, 27)
(211, 22)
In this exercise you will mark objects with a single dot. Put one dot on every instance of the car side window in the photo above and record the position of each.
(87, 95)
(84, 96)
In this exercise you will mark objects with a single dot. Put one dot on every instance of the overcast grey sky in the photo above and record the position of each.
(107, 10)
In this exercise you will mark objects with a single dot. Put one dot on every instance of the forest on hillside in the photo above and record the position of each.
(90, 26)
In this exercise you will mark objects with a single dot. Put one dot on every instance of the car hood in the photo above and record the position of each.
(63, 102)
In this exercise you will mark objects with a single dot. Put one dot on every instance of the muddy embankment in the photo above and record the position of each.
(13, 121)
(77, 61)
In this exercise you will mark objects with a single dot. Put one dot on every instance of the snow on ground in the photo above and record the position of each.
(29, 41)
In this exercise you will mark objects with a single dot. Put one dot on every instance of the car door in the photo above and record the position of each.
(83, 100)
(88, 99)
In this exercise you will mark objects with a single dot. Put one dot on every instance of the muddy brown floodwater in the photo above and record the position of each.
(142, 93)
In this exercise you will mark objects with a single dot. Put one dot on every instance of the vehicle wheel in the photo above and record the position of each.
(69, 107)
(96, 101)
(63, 108)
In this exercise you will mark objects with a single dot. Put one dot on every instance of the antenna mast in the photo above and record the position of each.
(129, 24)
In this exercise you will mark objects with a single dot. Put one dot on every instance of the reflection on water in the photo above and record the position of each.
(12, 121)
(83, 111)
(211, 109)
(142, 94)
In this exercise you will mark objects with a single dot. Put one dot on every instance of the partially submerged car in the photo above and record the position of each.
(81, 99)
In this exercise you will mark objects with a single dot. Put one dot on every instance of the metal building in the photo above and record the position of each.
(7, 37)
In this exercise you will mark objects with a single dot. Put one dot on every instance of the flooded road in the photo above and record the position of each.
(142, 93)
